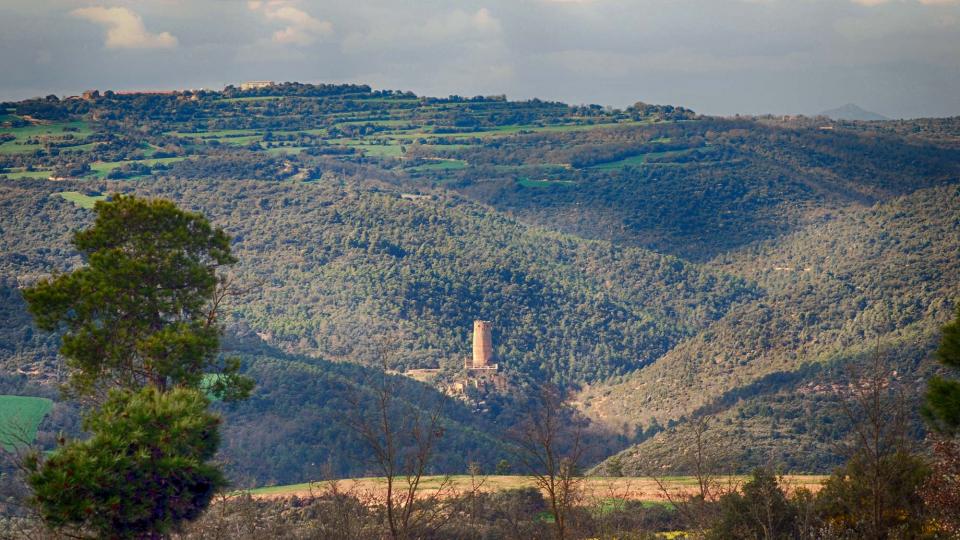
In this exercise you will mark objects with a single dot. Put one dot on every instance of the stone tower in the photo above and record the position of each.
(482, 344)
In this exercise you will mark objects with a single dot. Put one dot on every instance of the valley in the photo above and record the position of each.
(663, 266)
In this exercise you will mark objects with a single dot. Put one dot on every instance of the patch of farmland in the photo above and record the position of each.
(380, 150)
(637, 160)
(102, 168)
(36, 136)
(527, 182)
(595, 487)
(440, 165)
(20, 416)
(80, 199)
(19, 173)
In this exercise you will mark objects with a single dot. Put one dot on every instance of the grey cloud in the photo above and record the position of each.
(717, 56)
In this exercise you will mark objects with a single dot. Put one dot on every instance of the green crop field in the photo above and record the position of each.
(384, 122)
(380, 150)
(637, 160)
(102, 168)
(17, 174)
(81, 200)
(216, 134)
(32, 137)
(19, 418)
(440, 165)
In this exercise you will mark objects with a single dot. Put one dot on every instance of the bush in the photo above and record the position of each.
(760, 510)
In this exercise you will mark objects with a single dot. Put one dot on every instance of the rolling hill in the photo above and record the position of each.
(884, 276)
(665, 265)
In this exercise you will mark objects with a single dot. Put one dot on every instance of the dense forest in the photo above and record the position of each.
(662, 265)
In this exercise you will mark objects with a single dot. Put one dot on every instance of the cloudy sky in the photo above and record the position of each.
(900, 58)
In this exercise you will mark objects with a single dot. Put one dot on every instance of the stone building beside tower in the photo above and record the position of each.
(481, 373)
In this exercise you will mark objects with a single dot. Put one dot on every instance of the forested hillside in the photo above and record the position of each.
(882, 278)
(295, 426)
(663, 264)
(333, 267)
(697, 189)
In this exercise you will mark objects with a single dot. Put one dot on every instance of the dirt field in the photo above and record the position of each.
(595, 488)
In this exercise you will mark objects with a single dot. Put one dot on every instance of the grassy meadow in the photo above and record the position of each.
(37, 135)
(19, 418)
(81, 200)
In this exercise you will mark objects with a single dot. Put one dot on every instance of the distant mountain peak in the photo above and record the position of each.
(852, 112)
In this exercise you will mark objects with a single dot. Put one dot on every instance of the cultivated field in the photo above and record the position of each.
(35, 136)
(19, 418)
(80, 199)
(595, 488)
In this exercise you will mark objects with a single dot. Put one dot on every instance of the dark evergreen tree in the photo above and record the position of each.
(144, 308)
(942, 407)
(141, 334)
(144, 469)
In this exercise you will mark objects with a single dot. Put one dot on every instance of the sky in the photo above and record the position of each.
(899, 58)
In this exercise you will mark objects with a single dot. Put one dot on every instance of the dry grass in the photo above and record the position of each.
(641, 489)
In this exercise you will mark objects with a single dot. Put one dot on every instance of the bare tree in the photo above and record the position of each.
(877, 489)
(607, 501)
(704, 457)
(877, 412)
(402, 437)
(549, 444)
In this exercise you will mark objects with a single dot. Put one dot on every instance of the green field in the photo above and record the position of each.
(384, 122)
(19, 418)
(33, 175)
(102, 168)
(637, 160)
(389, 100)
(400, 128)
(42, 133)
(380, 150)
(440, 165)
(216, 134)
(81, 200)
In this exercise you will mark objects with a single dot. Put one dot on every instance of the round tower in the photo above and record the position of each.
(482, 344)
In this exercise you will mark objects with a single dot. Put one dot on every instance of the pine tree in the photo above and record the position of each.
(141, 335)
(942, 407)
(144, 469)
(144, 308)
